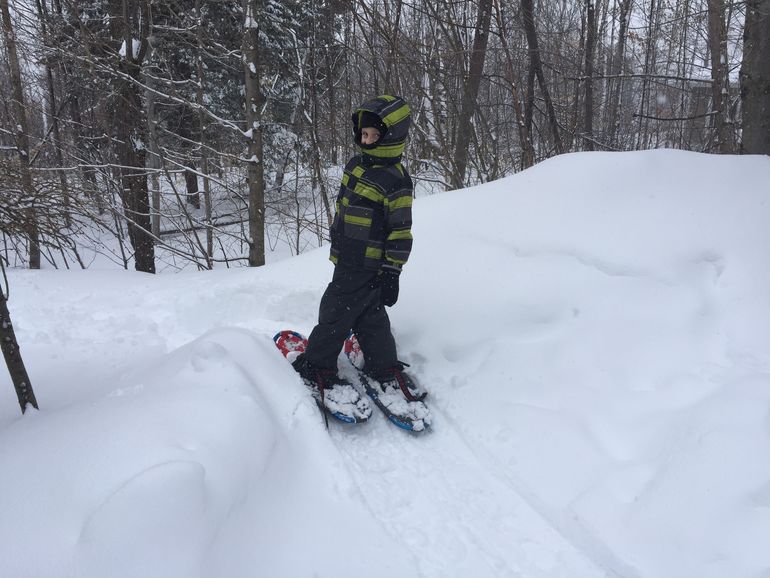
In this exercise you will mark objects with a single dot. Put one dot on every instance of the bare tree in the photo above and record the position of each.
(616, 70)
(21, 132)
(54, 108)
(536, 68)
(588, 102)
(647, 73)
(471, 91)
(552, 77)
(528, 151)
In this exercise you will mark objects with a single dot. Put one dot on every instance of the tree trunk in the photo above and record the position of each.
(131, 130)
(89, 180)
(528, 152)
(133, 174)
(755, 78)
(256, 176)
(536, 64)
(649, 61)
(12, 354)
(54, 113)
(21, 133)
(153, 162)
(193, 196)
(613, 120)
(318, 176)
(471, 92)
(720, 97)
(188, 132)
(204, 157)
(603, 52)
(330, 57)
(588, 102)
(392, 76)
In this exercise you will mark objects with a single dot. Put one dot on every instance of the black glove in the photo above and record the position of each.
(389, 286)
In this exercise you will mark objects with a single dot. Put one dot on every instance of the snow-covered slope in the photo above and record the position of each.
(593, 332)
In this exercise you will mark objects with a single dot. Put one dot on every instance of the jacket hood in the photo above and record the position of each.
(396, 118)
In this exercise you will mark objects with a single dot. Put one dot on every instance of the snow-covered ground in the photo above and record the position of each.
(594, 336)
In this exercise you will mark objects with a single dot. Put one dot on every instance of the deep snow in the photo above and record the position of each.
(593, 332)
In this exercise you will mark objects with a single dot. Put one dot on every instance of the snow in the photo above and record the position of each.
(593, 333)
(136, 45)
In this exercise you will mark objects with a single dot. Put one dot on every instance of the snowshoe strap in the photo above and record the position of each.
(321, 390)
(402, 384)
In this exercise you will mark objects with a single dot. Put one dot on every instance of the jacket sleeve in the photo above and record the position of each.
(398, 224)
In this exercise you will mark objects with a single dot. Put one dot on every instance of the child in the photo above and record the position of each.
(370, 241)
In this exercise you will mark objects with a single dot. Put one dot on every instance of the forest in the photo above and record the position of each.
(167, 134)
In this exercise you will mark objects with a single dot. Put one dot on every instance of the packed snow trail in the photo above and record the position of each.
(458, 519)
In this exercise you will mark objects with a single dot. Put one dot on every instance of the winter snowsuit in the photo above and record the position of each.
(371, 231)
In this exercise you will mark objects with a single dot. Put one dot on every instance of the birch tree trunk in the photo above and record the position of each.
(255, 160)
(21, 132)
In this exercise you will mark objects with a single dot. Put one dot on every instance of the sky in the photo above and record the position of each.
(592, 333)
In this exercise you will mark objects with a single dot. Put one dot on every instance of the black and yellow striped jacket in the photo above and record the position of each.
(373, 222)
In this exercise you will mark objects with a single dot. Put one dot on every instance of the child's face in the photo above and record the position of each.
(369, 135)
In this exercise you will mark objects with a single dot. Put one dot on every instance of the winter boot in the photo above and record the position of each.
(332, 392)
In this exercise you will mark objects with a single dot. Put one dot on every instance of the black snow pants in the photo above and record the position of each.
(352, 301)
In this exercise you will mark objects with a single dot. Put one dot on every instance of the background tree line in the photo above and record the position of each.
(161, 133)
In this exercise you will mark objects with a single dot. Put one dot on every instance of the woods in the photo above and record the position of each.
(163, 135)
